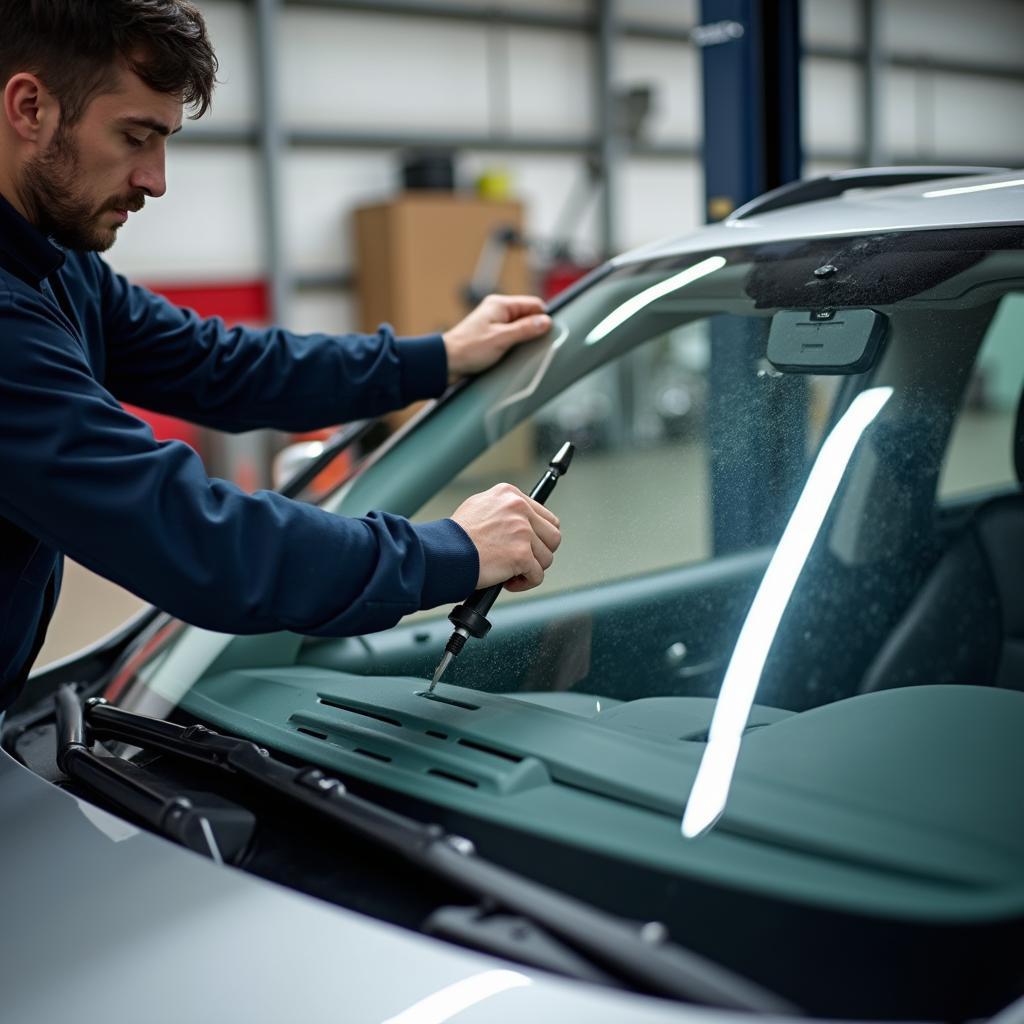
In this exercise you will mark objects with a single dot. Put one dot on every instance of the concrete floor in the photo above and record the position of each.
(601, 538)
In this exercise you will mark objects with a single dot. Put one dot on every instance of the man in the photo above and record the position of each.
(91, 93)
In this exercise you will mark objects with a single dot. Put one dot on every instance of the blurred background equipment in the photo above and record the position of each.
(429, 169)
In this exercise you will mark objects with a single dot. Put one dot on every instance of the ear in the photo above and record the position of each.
(30, 108)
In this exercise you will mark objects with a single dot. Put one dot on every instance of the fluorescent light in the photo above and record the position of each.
(714, 776)
(447, 1002)
(973, 188)
(633, 305)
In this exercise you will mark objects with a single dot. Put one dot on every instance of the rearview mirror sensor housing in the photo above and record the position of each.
(836, 341)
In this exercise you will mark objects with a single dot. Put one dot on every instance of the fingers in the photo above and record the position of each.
(515, 536)
(542, 554)
(514, 307)
(525, 328)
(519, 584)
(546, 534)
(521, 317)
(542, 511)
(499, 322)
(531, 576)
(543, 543)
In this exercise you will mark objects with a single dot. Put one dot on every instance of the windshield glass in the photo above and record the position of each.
(694, 446)
(793, 493)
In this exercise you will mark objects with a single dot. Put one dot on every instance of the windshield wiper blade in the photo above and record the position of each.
(199, 822)
(640, 955)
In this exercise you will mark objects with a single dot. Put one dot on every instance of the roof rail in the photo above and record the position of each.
(830, 185)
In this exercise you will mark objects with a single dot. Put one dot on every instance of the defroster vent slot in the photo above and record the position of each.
(375, 715)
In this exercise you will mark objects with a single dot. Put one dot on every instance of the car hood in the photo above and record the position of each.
(99, 915)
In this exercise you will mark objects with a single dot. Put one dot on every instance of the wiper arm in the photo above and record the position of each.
(641, 956)
(219, 831)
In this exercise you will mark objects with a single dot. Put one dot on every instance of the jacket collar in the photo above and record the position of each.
(24, 250)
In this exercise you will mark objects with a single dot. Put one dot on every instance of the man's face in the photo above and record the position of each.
(82, 186)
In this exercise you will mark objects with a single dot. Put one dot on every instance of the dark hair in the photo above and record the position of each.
(74, 47)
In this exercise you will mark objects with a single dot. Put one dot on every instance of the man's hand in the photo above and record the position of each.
(515, 536)
(498, 323)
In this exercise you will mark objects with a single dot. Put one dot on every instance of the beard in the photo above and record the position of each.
(60, 207)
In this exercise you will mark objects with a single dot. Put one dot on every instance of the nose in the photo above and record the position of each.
(150, 175)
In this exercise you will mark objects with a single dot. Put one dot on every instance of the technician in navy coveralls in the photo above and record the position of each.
(92, 89)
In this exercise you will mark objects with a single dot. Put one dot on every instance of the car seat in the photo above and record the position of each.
(966, 623)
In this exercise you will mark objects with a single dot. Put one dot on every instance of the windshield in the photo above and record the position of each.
(776, 590)
(694, 448)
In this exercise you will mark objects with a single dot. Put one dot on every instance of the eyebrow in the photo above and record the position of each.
(153, 125)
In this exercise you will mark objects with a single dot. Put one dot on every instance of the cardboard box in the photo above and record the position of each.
(416, 255)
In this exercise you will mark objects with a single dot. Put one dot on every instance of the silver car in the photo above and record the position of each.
(753, 747)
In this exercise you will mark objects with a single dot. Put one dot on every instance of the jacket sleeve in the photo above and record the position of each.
(170, 360)
(89, 479)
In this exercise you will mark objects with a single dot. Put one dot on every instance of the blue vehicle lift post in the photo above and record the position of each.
(751, 78)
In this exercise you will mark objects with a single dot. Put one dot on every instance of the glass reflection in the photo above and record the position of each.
(714, 776)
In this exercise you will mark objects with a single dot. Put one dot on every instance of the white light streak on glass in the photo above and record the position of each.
(714, 776)
(447, 1002)
(633, 305)
(962, 190)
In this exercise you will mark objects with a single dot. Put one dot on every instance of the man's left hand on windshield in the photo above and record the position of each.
(498, 323)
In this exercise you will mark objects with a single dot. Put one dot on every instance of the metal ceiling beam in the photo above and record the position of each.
(916, 62)
(329, 137)
(341, 139)
(494, 15)
(453, 12)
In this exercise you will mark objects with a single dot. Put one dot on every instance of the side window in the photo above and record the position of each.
(980, 453)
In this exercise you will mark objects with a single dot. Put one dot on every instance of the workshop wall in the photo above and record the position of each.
(385, 73)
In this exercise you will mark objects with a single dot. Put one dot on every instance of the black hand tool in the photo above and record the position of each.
(470, 618)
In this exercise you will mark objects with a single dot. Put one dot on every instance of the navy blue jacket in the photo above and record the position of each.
(80, 476)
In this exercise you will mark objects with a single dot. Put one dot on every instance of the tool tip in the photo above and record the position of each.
(439, 671)
(564, 457)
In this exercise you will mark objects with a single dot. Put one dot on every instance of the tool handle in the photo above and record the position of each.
(471, 615)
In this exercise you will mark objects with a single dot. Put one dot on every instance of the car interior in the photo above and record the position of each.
(966, 622)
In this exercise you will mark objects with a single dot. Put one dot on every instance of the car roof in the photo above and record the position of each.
(973, 200)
